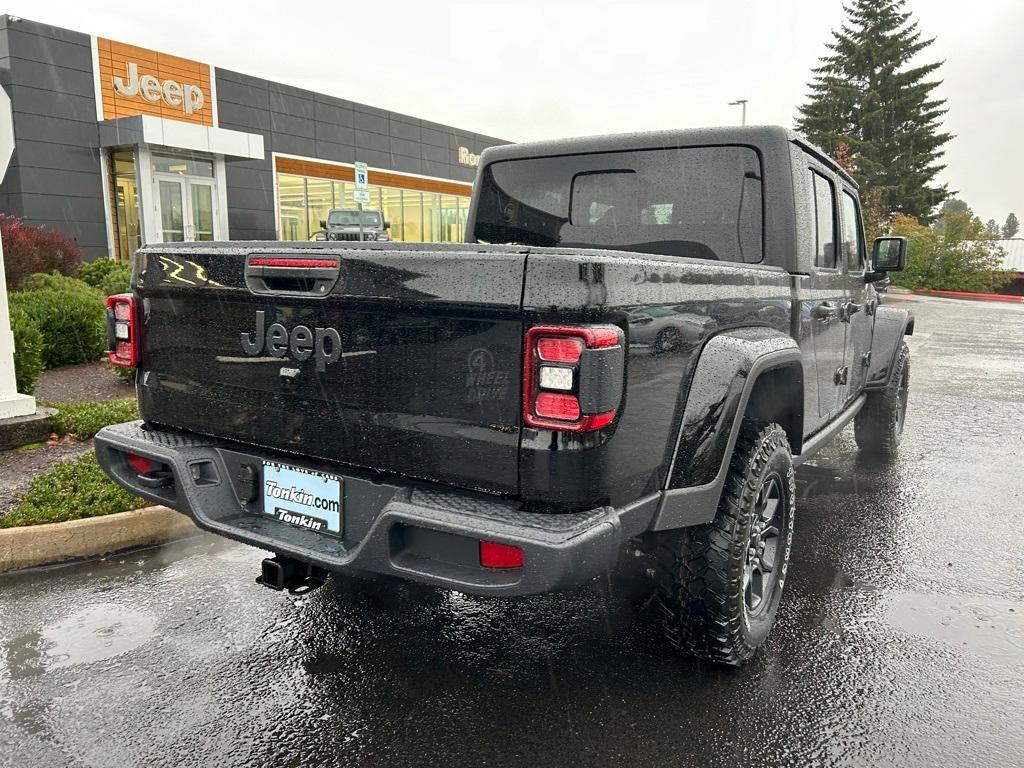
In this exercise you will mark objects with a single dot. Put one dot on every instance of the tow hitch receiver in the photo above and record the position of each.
(294, 575)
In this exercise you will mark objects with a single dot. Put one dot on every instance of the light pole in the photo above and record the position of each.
(741, 103)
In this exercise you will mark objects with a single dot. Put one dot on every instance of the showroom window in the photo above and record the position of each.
(415, 216)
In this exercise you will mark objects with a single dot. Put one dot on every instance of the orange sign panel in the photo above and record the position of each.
(138, 81)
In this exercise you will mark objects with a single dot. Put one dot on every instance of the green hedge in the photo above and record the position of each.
(70, 314)
(28, 350)
(70, 490)
(107, 276)
(83, 420)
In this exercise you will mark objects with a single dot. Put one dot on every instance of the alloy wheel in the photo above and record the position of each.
(759, 572)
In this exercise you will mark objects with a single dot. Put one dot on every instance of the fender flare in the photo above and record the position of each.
(891, 325)
(726, 374)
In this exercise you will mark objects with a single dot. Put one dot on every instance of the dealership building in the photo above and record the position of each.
(117, 145)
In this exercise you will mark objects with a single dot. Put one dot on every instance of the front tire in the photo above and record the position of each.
(719, 584)
(878, 428)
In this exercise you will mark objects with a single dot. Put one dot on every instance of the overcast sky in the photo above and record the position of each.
(533, 69)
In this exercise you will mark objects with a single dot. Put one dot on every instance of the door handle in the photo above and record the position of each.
(824, 311)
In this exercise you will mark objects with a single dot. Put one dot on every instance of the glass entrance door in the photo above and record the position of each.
(172, 210)
(200, 196)
(186, 197)
(186, 208)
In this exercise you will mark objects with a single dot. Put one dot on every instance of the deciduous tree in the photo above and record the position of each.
(964, 257)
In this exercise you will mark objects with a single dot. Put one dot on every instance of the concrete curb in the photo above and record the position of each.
(33, 545)
(975, 296)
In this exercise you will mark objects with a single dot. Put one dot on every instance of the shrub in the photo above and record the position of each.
(70, 315)
(958, 255)
(29, 249)
(83, 420)
(70, 490)
(126, 375)
(28, 350)
(107, 276)
(54, 281)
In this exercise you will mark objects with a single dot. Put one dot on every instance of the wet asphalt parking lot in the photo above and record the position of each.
(900, 640)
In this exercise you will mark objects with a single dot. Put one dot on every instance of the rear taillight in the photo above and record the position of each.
(572, 377)
(122, 330)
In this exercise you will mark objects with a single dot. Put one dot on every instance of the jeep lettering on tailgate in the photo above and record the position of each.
(302, 342)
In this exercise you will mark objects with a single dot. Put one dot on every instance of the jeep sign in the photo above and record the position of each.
(188, 97)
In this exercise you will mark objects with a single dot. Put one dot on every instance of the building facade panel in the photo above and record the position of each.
(49, 77)
(34, 46)
(62, 116)
(340, 115)
(52, 104)
(339, 153)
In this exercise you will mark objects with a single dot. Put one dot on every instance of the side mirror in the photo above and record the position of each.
(387, 225)
(889, 254)
(323, 224)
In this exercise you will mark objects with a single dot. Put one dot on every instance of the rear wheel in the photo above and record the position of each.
(878, 428)
(719, 584)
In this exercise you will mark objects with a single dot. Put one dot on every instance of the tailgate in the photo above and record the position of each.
(401, 359)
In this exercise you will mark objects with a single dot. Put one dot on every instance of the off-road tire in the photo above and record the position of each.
(700, 570)
(878, 428)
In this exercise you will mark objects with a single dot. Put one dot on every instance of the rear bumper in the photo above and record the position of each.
(414, 531)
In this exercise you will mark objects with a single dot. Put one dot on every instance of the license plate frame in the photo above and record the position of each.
(303, 498)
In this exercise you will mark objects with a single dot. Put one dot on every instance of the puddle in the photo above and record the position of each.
(92, 634)
(988, 626)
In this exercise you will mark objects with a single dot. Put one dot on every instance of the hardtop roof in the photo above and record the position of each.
(765, 138)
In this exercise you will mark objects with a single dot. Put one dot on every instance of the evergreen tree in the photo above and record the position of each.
(1011, 227)
(992, 227)
(866, 94)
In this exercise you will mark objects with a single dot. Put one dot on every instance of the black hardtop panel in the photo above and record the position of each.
(769, 137)
(766, 138)
(772, 143)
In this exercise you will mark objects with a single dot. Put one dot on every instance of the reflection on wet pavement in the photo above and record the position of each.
(900, 641)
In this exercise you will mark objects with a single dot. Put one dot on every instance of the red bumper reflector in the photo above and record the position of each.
(140, 464)
(551, 405)
(495, 555)
(268, 261)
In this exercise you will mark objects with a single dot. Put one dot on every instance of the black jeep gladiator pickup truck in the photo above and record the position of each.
(642, 338)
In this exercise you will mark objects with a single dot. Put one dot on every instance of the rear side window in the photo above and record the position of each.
(852, 250)
(824, 221)
(697, 202)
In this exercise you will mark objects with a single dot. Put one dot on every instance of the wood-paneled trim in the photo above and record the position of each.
(381, 178)
(113, 58)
